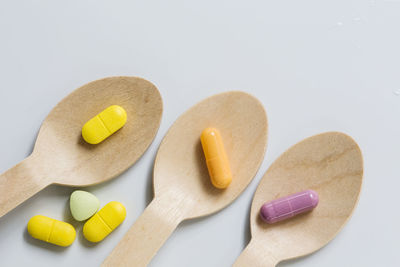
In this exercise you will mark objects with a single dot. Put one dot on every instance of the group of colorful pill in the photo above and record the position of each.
(84, 206)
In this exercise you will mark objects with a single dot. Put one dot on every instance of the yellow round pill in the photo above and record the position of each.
(104, 124)
(51, 230)
(104, 221)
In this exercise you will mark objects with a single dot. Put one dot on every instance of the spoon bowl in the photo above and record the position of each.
(180, 166)
(330, 164)
(61, 156)
(182, 186)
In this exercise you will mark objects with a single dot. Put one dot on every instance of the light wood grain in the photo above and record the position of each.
(61, 156)
(330, 164)
(182, 186)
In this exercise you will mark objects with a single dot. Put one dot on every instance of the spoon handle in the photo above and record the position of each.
(146, 236)
(17, 185)
(255, 255)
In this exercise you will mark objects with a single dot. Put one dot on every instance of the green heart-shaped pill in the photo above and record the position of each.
(83, 205)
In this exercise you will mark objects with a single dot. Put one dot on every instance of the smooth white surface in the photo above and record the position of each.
(316, 66)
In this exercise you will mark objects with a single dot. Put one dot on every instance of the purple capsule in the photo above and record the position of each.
(287, 207)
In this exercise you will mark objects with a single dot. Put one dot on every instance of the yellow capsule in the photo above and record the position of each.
(104, 124)
(104, 221)
(216, 158)
(51, 230)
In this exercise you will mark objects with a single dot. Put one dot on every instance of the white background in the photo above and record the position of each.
(316, 66)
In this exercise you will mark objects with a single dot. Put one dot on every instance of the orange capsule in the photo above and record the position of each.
(216, 158)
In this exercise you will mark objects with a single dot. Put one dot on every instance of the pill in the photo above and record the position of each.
(289, 206)
(104, 221)
(104, 124)
(216, 158)
(51, 230)
(83, 205)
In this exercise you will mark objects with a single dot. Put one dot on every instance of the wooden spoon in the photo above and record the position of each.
(61, 156)
(330, 164)
(182, 185)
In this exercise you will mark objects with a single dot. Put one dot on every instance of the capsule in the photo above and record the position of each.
(287, 207)
(216, 158)
(104, 221)
(52, 231)
(104, 124)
